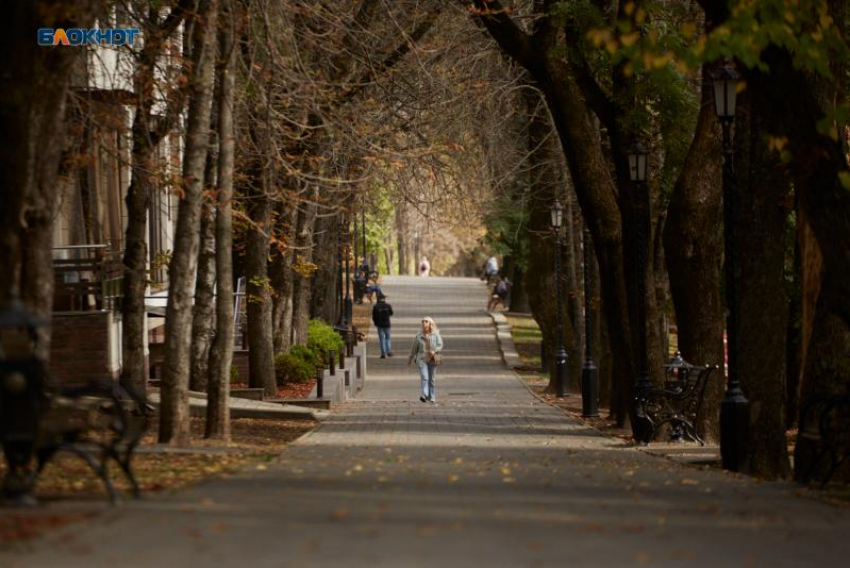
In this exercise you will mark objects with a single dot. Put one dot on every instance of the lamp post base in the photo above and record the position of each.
(561, 372)
(589, 390)
(642, 428)
(734, 429)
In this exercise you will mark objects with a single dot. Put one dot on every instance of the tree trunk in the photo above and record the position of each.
(33, 85)
(302, 285)
(545, 187)
(221, 352)
(174, 411)
(324, 303)
(203, 312)
(401, 240)
(693, 250)
(143, 167)
(759, 235)
(282, 279)
(259, 307)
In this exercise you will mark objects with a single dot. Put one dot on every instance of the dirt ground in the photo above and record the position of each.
(68, 483)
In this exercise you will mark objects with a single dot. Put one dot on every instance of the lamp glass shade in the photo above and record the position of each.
(725, 81)
(557, 212)
(637, 162)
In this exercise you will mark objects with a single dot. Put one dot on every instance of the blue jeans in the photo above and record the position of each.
(384, 340)
(426, 374)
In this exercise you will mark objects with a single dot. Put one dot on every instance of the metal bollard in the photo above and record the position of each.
(320, 384)
(354, 335)
(332, 362)
(341, 360)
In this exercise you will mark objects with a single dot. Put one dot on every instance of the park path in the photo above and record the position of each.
(489, 476)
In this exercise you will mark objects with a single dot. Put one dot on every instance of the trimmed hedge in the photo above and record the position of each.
(299, 363)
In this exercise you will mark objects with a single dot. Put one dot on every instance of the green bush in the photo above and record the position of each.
(299, 363)
(308, 355)
(321, 338)
(289, 368)
(234, 374)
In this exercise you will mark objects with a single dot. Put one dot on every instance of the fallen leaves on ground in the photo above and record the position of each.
(157, 468)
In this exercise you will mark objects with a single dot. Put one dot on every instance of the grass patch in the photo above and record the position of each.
(527, 337)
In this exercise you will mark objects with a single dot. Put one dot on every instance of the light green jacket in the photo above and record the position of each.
(419, 350)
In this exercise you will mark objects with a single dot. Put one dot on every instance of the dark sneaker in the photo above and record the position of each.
(423, 399)
(383, 356)
(390, 354)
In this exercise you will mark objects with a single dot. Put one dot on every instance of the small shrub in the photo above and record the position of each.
(308, 355)
(234, 374)
(321, 338)
(289, 368)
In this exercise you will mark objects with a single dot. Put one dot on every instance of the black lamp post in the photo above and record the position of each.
(589, 374)
(356, 252)
(734, 408)
(349, 307)
(342, 322)
(557, 213)
(638, 172)
(363, 228)
(22, 376)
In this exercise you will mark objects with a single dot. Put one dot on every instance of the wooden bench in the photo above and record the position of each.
(825, 423)
(678, 403)
(99, 422)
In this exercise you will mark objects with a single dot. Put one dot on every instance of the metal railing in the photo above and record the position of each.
(87, 278)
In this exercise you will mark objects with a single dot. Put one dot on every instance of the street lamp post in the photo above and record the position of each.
(589, 374)
(349, 308)
(638, 172)
(343, 323)
(561, 379)
(356, 242)
(363, 228)
(734, 408)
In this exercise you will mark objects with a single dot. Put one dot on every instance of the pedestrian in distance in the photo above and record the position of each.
(424, 267)
(491, 269)
(500, 294)
(426, 352)
(381, 314)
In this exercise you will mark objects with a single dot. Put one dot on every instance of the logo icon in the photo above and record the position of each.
(77, 37)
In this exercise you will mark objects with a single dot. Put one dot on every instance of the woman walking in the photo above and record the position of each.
(427, 346)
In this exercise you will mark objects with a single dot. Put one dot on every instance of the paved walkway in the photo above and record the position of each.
(487, 477)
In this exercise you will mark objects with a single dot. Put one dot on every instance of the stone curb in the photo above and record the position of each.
(243, 408)
(511, 357)
(505, 340)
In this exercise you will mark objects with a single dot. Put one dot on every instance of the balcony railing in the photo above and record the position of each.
(87, 278)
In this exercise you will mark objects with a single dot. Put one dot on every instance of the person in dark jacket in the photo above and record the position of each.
(381, 314)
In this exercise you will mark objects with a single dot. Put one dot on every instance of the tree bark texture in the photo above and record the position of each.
(221, 351)
(174, 409)
(759, 234)
(324, 302)
(693, 249)
(203, 311)
(303, 283)
(146, 137)
(401, 240)
(545, 187)
(33, 84)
